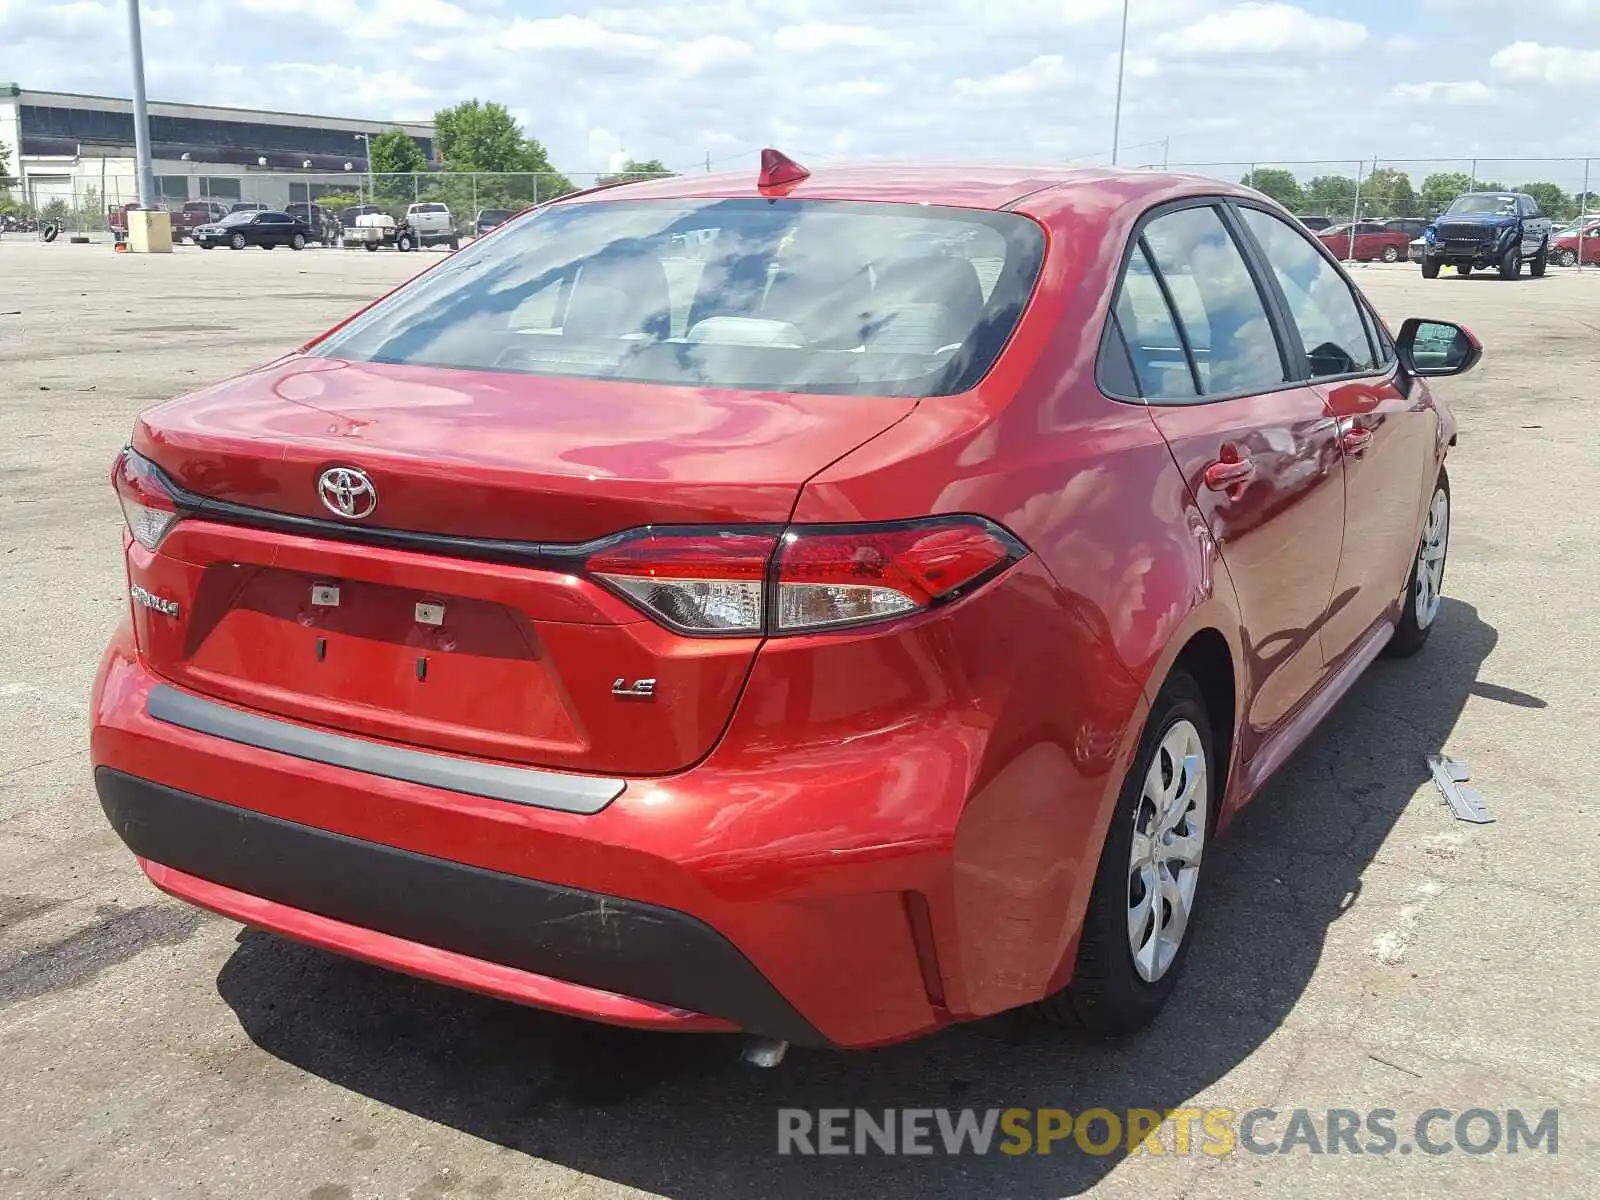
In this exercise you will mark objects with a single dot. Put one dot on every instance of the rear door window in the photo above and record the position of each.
(1223, 315)
(774, 295)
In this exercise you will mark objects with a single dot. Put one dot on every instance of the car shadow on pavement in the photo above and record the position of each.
(678, 1115)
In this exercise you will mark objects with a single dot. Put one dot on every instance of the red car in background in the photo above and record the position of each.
(866, 631)
(1366, 241)
(1579, 238)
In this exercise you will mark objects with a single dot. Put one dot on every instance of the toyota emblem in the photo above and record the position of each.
(347, 492)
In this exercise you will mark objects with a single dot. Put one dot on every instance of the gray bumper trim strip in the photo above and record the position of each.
(519, 785)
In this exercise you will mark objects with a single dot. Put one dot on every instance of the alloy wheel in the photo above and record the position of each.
(1429, 577)
(1169, 834)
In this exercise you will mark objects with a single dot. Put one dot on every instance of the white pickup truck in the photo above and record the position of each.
(433, 224)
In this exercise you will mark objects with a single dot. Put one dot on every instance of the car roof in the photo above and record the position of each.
(959, 186)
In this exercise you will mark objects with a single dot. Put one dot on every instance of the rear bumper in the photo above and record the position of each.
(454, 923)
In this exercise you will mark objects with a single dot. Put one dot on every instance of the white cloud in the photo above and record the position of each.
(1566, 10)
(1045, 72)
(1466, 91)
(816, 38)
(1263, 29)
(1557, 66)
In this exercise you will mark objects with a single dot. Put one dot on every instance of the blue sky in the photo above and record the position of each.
(1017, 80)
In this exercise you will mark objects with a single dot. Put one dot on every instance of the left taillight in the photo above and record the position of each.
(805, 578)
(147, 505)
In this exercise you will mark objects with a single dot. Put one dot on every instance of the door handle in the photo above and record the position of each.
(1356, 440)
(1229, 473)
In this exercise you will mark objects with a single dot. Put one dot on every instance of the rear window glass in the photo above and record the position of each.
(428, 208)
(769, 295)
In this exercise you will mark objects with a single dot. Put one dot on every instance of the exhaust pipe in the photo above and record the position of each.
(764, 1052)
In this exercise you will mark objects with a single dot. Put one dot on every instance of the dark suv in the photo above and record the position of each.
(1489, 229)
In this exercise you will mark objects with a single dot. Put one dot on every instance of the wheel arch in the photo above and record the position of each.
(1208, 659)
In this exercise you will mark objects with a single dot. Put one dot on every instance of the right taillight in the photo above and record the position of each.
(804, 578)
(147, 506)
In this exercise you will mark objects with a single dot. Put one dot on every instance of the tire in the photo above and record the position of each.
(268, 246)
(1419, 602)
(1540, 261)
(297, 242)
(1430, 268)
(237, 241)
(204, 245)
(1510, 266)
(1110, 994)
(455, 244)
(1391, 255)
(403, 243)
(1567, 258)
(373, 246)
(1464, 269)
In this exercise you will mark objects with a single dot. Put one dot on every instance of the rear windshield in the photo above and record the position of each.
(769, 295)
(428, 208)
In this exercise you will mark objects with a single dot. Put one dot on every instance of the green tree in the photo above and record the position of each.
(394, 153)
(1388, 193)
(483, 136)
(1553, 200)
(1440, 189)
(1282, 186)
(7, 180)
(1331, 196)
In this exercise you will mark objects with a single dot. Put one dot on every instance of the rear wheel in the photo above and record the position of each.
(1135, 933)
(1424, 586)
(1430, 268)
(298, 242)
(373, 246)
(1464, 269)
(403, 243)
(1567, 258)
(1540, 261)
(1391, 255)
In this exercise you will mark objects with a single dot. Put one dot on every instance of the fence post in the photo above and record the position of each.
(1355, 211)
(1583, 211)
(474, 204)
(536, 189)
(1473, 186)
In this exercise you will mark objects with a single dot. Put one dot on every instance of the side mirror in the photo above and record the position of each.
(1433, 348)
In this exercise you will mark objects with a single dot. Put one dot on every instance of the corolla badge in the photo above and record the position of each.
(347, 492)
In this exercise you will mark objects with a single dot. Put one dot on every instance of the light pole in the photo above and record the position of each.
(143, 168)
(367, 138)
(1122, 62)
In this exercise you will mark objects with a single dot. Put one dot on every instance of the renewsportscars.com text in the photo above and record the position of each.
(1210, 1131)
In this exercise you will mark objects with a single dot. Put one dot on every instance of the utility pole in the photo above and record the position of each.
(708, 162)
(149, 229)
(141, 117)
(1122, 61)
(1166, 152)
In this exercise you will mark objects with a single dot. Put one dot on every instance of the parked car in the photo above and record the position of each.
(1364, 242)
(490, 218)
(1316, 224)
(822, 644)
(1412, 227)
(433, 225)
(249, 228)
(1581, 237)
(247, 206)
(193, 214)
(1480, 230)
(310, 214)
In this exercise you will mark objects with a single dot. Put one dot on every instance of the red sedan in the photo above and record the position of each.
(1366, 241)
(1569, 245)
(827, 606)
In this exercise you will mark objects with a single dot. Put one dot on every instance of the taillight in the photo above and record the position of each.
(692, 581)
(147, 506)
(825, 576)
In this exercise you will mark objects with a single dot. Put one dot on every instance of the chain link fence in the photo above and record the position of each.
(87, 205)
(1340, 191)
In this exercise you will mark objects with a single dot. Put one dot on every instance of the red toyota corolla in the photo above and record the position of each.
(826, 606)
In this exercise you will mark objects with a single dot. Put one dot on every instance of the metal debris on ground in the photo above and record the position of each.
(1467, 803)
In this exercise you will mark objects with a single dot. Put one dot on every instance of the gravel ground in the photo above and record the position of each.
(1360, 948)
